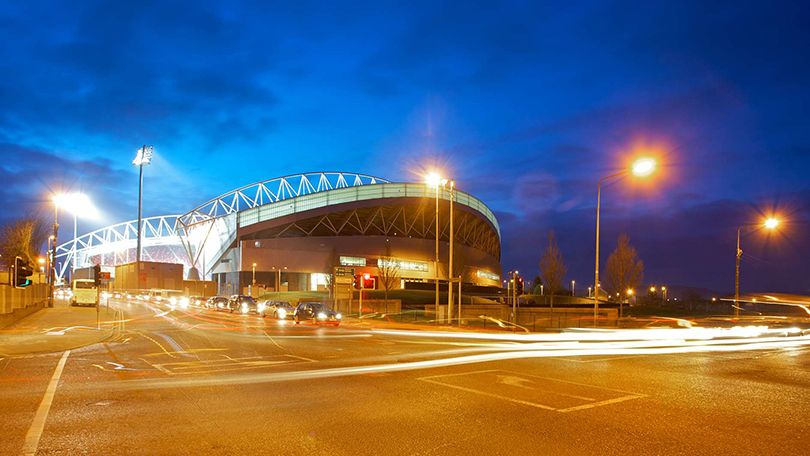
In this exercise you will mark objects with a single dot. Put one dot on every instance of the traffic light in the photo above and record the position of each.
(21, 273)
(519, 286)
(97, 274)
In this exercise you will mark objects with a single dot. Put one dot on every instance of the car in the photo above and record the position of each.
(196, 301)
(217, 303)
(316, 312)
(278, 309)
(243, 304)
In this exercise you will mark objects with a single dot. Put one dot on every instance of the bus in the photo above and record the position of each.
(85, 293)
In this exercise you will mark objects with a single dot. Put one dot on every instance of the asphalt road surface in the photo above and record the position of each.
(196, 381)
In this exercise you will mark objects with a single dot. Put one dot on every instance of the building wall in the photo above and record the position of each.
(311, 254)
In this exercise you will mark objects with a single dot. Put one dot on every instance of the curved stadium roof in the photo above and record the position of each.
(206, 231)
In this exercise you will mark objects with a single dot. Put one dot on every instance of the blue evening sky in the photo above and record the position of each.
(525, 104)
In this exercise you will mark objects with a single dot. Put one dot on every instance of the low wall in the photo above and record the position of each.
(540, 317)
(16, 303)
(393, 306)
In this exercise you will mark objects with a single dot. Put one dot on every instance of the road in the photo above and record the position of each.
(194, 381)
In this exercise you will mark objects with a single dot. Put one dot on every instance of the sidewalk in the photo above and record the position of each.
(56, 329)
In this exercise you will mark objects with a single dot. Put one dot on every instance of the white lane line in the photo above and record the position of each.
(35, 431)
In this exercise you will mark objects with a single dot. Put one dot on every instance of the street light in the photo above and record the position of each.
(433, 179)
(143, 157)
(642, 167)
(254, 275)
(450, 185)
(771, 223)
(79, 205)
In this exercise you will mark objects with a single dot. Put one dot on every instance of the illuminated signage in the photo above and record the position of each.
(488, 275)
(352, 261)
(405, 265)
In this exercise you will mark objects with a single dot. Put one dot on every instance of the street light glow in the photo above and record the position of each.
(76, 203)
(771, 223)
(643, 167)
(433, 179)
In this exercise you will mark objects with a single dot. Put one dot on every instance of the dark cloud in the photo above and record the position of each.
(527, 105)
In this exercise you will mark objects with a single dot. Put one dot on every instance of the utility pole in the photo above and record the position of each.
(737, 278)
(450, 266)
(52, 263)
(436, 263)
(144, 157)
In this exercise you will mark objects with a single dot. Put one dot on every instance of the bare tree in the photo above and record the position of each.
(552, 267)
(23, 237)
(332, 261)
(624, 270)
(388, 271)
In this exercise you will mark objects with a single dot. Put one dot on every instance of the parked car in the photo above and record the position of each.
(217, 303)
(278, 309)
(316, 312)
(243, 304)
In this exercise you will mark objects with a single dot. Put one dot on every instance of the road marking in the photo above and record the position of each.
(518, 380)
(483, 393)
(597, 404)
(35, 431)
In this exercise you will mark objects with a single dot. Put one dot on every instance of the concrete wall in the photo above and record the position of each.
(17, 303)
(541, 317)
(392, 307)
(204, 288)
(151, 276)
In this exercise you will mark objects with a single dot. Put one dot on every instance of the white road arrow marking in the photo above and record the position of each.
(511, 380)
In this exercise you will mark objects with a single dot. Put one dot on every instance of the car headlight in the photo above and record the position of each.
(173, 300)
(338, 316)
(282, 313)
(261, 307)
(322, 315)
(184, 302)
(244, 307)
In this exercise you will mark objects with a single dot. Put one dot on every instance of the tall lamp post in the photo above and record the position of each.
(144, 157)
(434, 180)
(451, 185)
(641, 168)
(52, 264)
(770, 224)
(78, 204)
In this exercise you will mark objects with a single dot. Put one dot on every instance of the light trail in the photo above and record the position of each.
(782, 343)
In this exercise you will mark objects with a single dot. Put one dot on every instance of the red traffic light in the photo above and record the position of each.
(366, 276)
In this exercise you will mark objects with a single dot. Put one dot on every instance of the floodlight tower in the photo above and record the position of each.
(144, 157)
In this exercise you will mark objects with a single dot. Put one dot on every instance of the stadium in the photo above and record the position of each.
(288, 233)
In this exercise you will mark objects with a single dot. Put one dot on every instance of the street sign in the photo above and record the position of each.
(104, 275)
(343, 283)
(344, 272)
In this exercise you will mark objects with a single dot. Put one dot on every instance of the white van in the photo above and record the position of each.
(85, 293)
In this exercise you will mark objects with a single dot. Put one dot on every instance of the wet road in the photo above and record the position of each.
(195, 381)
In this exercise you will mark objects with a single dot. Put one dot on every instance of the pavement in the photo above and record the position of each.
(192, 381)
(56, 329)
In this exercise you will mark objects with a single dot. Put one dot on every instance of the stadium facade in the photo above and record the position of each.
(294, 229)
